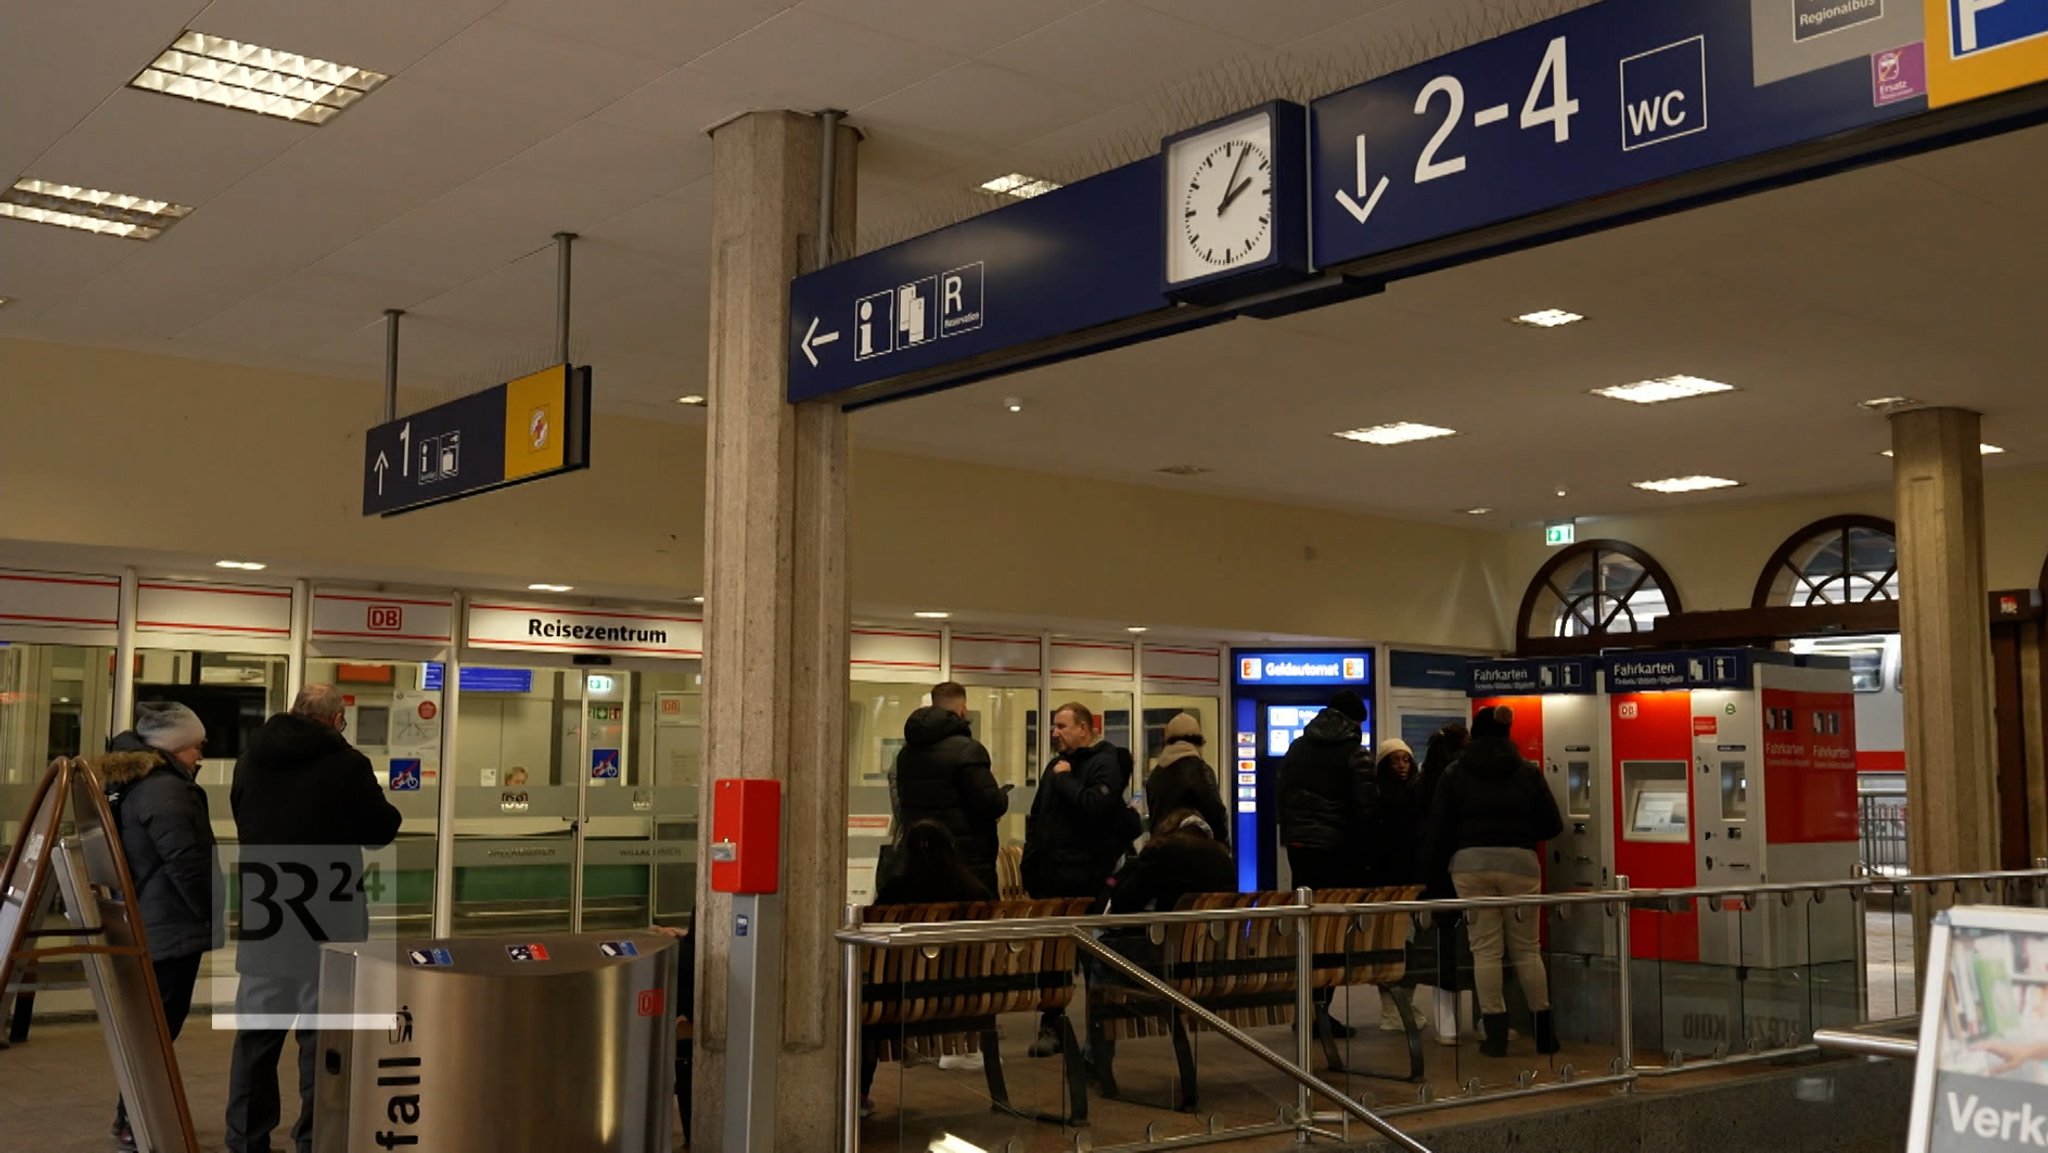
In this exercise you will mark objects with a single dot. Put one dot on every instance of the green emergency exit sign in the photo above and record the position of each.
(1559, 533)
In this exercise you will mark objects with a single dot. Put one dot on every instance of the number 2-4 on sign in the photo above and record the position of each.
(1549, 102)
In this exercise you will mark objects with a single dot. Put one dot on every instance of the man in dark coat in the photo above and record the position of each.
(1327, 802)
(1183, 780)
(1080, 825)
(303, 798)
(166, 834)
(943, 774)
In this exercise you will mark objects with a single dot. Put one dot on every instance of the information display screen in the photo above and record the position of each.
(1982, 1078)
(1659, 813)
(1284, 725)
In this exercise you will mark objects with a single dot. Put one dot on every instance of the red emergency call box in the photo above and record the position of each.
(746, 835)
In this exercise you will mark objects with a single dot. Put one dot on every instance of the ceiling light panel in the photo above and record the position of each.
(1677, 484)
(1982, 450)
(216, 70)
(1663, 388)
(1548, 318)
(90, 209)
(1018, 185)
(1400, 432)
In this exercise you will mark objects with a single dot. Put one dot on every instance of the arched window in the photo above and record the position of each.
(1843, 560)
(1594, 589)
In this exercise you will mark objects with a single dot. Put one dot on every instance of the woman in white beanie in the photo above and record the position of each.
(166, 832)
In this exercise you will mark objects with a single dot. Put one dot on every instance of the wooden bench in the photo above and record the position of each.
(1010, 874)
(944, 1000)
(1244, 971)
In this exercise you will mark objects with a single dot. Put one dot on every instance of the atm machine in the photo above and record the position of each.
(1730, 767)
(1557, 724)
(1274, 695)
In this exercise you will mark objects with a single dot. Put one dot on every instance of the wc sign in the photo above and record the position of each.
(1664, 94)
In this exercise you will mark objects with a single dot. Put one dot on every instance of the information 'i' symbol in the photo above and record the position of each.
(867, 331)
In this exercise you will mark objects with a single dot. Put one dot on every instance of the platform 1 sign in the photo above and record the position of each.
(522, 430)
(1602, 100)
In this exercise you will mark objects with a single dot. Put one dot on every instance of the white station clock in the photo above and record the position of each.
(1233, 203)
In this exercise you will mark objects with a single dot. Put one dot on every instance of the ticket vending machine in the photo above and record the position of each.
(1557, 710)
(1731, 767)
(1274, 695)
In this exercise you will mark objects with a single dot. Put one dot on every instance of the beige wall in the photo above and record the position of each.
(143, 452)
(1715, 551)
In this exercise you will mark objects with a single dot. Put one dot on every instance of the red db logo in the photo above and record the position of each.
(651, 1002)
(386, 618)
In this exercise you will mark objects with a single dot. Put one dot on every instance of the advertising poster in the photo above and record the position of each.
(1987, 1088)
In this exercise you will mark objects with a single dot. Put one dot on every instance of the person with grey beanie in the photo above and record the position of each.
(165, 831)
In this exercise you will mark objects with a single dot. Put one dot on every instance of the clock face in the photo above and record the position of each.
(1220, 199)
(1227, 212)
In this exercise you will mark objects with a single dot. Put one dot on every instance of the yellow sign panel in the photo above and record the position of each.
(535, 422)
(1978, 48)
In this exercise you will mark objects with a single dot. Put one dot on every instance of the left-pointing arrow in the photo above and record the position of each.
(813, 338)
(382, 464)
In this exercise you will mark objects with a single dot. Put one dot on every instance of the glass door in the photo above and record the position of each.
(639, 833)
(519, 754)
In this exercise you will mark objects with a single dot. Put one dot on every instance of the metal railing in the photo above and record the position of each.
(1881, 832)
(1920, 895)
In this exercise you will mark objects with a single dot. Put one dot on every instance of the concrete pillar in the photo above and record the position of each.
(1951, 752)
(775, 600)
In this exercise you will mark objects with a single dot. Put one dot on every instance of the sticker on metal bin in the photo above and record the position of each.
(429, 958)
(740, 925)
(618, 948)
(533, 952)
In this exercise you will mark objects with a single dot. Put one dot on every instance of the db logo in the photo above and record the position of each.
(652, 1001)
(428, 711)
(1626, 711)
(386, 618)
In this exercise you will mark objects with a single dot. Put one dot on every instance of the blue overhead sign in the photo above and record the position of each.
(1524, 678)
(1075, 259)
(1707, 669)
(1601, 100)
(522, 430)
(1413, 670)
(1311, 667)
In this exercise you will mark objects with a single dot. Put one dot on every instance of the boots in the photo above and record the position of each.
(1546, 1032)
(1496, 1042)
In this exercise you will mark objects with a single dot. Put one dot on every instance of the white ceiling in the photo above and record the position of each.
(508, 121)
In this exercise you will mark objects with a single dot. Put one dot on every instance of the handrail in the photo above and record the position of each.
(903, 935)
(1866, 1044)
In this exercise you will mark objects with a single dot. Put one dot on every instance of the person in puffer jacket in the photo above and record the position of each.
(1328, 797)
(1183, 780)
(943, 774)
(166, 834)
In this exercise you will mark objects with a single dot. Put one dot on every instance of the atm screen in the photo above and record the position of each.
(1284, 724)
(1659, 812)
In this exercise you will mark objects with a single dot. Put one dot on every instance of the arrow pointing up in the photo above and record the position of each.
(379, 467)
(1367, 191)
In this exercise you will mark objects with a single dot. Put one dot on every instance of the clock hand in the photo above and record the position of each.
(1233, 195)
(1231, 186)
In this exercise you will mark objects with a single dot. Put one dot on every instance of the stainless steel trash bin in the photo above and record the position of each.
(547, 1042)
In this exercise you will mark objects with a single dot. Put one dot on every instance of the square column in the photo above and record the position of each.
(775, 619)
(1945, 638)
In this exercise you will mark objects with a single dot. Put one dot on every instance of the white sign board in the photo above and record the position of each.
(543, 628)
(250, 612)
(1981, 1079)
(351, 615)
(55, 600)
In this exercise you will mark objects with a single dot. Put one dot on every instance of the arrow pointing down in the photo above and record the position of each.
(1360, 212)
(379, 467)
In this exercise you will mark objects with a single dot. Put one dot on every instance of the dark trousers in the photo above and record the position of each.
(685, 1082)
(176, 977)
(1321, 869)
(253, 1106)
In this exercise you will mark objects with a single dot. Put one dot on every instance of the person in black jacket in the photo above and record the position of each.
(1327, 800)
(1490, 814)
(303, 798)
(1444, 746)
(1399, 822)
(933, 872)
(1183, 780)
(943, 774)
(166, 834)
(686, 1014)
(1080, 826)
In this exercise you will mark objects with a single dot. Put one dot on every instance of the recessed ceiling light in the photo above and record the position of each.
(931, 615)
(1400, 432)
(1889, 403)
(1548, 318)
(216, 70)
(691, 399)
(1563, 493)
(1018, 185)
(547, 588)
(244, 565)
(89, 209)
(1012, 404)
(5, 301)
(1982, 450)
(1137, 629)
(1185, 469)
(1686, 484)
(1480, 511)
(1662, 389)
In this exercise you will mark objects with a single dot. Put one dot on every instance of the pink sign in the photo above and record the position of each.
(1898, 74)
